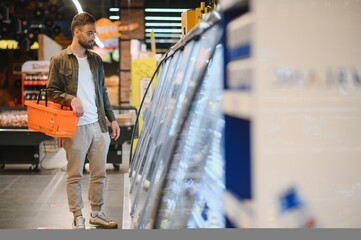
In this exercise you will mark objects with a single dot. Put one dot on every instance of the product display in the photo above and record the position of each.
(146, 159)
(33, 83)
(18, 144)
(148, 116)
(155, 156)
(13, 118)
(34, 78)
(153, 117)
(292, 119)
(196, 172)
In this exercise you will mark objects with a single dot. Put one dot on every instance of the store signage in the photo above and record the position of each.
(331, 77)
(35, 66)
(109, 32)
(13, 44)
(40, 66)
(106, 29)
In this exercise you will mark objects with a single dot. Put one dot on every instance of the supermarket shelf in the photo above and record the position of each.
(243, 27)
(291, 103)
(237, 104)
(240, 74)
(239, 212)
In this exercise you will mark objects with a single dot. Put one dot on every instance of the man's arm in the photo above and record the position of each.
(107, 107)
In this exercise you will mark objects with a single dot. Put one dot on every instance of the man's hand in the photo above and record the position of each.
(78, 109)
(115, 130)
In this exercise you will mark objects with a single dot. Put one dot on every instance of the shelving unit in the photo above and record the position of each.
(237, 109)
(18, 144)
(291, 105)
(34, 78)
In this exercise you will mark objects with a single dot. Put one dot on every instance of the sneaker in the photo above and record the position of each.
(102, 221)
(79, 223)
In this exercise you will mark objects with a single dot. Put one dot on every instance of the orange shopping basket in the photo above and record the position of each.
(51, 118)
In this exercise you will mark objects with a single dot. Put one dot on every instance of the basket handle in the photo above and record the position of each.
(46, 96)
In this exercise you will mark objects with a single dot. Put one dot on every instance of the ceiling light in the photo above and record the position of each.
(164, 35)
(163, 30)
(163, 18)
(80, 10)
(114, 17)
(158, 24)
(78, 6)
(165, 10)
(163, 40)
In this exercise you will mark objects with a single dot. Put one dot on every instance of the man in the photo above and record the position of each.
(76, 79)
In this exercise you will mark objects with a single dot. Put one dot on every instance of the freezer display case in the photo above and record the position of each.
(151, 144)
(154, 159)
(19, 145)
(148, 115)
(160, 98)
(196, 171)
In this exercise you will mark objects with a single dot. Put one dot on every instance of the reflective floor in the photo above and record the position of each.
(36, 199)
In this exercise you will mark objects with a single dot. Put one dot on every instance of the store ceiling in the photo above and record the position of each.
(53, 17)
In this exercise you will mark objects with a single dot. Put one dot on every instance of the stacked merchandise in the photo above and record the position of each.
(34, 79)
(14, 117)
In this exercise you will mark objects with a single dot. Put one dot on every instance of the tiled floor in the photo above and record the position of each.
(37, 199)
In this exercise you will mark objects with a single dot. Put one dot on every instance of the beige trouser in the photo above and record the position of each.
(88, 142)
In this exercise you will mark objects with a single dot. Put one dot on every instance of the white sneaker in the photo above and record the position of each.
(79, 223)
(102, 221)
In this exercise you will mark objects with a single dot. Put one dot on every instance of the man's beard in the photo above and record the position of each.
(86, 45)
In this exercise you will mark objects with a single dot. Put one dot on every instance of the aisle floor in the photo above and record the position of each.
(36, 199)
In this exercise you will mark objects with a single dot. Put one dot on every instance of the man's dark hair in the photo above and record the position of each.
(81, 19)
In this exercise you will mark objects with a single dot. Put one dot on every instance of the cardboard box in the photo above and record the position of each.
(188, 21)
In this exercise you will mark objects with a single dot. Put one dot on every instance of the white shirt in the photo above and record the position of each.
(86, 93)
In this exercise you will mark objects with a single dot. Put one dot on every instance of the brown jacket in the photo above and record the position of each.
(63, 82)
